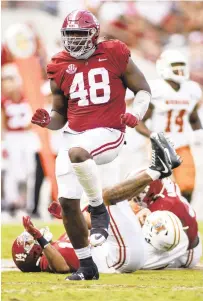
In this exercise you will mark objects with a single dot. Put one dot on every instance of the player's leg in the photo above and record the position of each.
(69, 192)
(88, 175)
(97, 146)
(13, 173)
(126, 241)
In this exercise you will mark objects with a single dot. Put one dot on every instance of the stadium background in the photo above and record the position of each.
(147, 27)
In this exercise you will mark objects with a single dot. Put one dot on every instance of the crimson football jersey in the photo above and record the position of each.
(17, 114)
(94, 87)
(65, 248)
(170, 200)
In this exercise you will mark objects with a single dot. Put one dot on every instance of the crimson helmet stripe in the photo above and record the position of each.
(74, 14)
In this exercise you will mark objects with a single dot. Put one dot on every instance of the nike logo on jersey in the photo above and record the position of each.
(164, 165)
(101, 60)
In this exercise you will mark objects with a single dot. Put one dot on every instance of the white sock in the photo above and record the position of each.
(154, 174)
(83, 253)
(88, 176)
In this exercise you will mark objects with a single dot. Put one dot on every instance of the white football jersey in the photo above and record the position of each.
(173, 108)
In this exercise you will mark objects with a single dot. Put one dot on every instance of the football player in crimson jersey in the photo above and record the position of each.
(88, 81)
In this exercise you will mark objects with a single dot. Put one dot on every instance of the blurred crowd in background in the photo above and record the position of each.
(146, 27)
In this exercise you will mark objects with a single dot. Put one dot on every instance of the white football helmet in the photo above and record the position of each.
(162, 229)
(173, 65)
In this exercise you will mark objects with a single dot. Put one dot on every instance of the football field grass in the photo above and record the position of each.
(184, 285)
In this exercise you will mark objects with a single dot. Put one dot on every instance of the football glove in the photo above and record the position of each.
(41, 117)
(30, 228)
(129, 120)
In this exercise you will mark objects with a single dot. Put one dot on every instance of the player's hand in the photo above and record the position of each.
(41, 117)
(46, 233)
(55, 209)
(129, 120)
(30, 228)
(142, 215)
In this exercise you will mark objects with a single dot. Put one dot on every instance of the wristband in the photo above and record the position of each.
(42, 242)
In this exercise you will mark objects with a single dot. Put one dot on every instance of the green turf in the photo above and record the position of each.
(142, 285)
(183, 285)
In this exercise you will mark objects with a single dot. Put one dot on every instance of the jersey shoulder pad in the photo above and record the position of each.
(57, 66)
(61, 56)
(118, 54)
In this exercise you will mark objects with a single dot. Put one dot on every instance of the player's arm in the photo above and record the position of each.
(120, 192)
(57, 263)
(127, 189)
(134, 79)
(195, 120)
(141, 127)
(58, 117)
(197, 134)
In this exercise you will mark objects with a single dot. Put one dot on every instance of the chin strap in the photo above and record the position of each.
(86, 55)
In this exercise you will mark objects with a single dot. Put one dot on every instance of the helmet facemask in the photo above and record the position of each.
(26, 240)
(79, 43)
(26, 253)
(180, 72)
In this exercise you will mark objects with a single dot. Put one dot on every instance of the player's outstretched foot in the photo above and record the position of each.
(85, 273)
(100, 223)
(160, 160)
(167, 144)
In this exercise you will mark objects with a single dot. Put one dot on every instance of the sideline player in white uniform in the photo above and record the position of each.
(173, 110)
(20, 141)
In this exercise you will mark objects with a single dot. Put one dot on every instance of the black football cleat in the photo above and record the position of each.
(168, 146)
(85, 273)
(100, 222)
(160, 160)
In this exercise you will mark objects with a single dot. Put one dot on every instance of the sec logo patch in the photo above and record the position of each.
(71, 69)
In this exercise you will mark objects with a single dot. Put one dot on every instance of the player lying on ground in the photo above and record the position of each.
(88, 82)
(119, 254)
(165, 195)
(173, 250)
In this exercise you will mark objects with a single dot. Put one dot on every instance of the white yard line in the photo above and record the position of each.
(8, 265)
